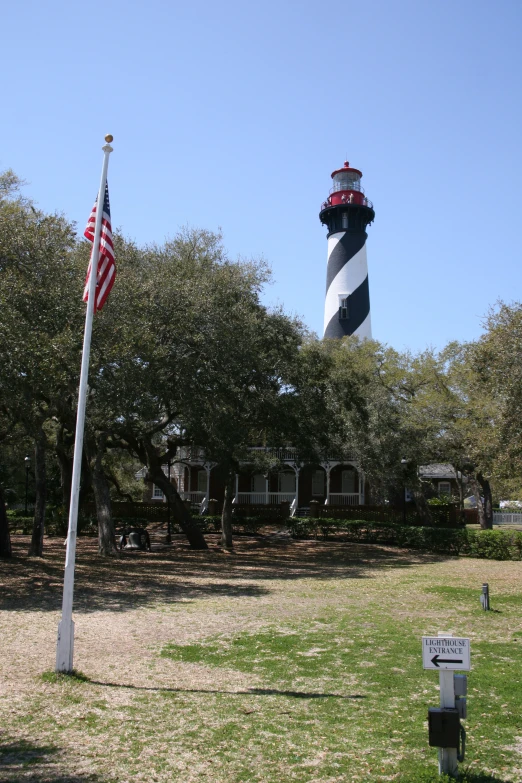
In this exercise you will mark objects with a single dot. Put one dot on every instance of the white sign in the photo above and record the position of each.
(445, 652)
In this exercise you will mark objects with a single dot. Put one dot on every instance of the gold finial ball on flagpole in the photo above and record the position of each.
(109, 138)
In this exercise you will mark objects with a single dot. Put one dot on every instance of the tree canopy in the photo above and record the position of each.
(184, 353)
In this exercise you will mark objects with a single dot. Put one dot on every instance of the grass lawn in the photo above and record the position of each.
(285, 661)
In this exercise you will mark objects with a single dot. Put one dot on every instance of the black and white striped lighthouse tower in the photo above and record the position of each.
(346, 213)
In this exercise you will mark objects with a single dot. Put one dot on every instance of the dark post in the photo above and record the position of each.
(484, 598)
(404, 463)
(169, 536)
(27, 466)
(314, 509)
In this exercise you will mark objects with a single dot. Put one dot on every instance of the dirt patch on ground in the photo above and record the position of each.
(261, 581)
(182, 591)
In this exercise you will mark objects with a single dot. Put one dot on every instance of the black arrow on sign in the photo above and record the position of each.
(436, 658)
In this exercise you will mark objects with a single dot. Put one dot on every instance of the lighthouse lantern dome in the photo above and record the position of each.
(346, 178)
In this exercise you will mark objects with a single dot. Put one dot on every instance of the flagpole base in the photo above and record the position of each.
(65, 646)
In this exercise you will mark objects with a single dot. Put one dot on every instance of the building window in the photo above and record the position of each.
(318, 483)
(157, 493)
(348, 482)
(202, 480)
(444, 489)
(258, 483)
(286, 482)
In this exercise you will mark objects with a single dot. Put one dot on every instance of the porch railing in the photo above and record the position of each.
(263, 498)
(291, 454)
(282, 454)
(342, 499)
(194, 497)
(191, 454)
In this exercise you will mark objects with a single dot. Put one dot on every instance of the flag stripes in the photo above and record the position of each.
(106, 267)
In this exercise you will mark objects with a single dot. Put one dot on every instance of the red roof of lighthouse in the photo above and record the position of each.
(346, 167)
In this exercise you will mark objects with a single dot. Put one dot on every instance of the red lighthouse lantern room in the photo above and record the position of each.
(347, 187)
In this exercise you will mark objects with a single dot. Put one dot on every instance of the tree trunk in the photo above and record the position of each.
(40, 474)
(65, 461)
(476, 489)
(422, 506)
(102, 499)
(226, 515)
(94, 452)
(5, 537)
(86, 481)
(488, 502)
(459, 478)
(191, 530)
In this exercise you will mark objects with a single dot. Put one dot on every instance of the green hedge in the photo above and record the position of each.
(20, 524)
(490, 544)
(245, 525)
(444, 515)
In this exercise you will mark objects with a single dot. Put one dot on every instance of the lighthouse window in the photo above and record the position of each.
(346, 181)
(343, 309)
(345, 220)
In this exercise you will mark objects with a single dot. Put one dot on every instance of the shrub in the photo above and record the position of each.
(128, 522)
(491, 544)
(443, 514)
(241, 524)
(18, 513)
(56, 520)
(87, 525)
(20, 524)
(495, 544)
(208, 524)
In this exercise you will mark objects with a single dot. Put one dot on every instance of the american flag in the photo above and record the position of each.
(106, 267)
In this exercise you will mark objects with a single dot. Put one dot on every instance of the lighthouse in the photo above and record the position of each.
(346, 213)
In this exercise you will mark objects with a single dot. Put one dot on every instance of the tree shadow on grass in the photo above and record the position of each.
(179, 574)
(23, 753)
(464, 777)
(478, 778)
(247, 692)
(44, 778)
(27, 761)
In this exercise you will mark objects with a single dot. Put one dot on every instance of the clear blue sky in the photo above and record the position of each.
(234, 114)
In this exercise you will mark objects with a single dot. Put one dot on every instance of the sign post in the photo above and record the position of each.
(447, 654)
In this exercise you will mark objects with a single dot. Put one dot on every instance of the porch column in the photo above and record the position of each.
(297, 472)
(266, 490)
(328, 469)
(208, 469)
(361, 488)
(237, 487)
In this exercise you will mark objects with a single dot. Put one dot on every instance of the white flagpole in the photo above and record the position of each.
(65, 643)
